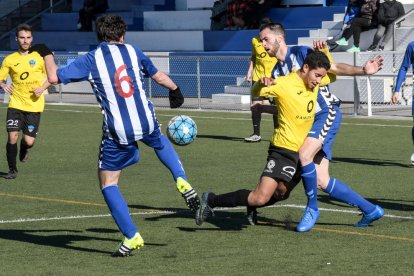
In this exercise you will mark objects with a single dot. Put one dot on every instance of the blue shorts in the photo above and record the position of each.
(115, 157)
(325, 127)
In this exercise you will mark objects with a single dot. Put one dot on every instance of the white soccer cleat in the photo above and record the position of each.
(412, 159)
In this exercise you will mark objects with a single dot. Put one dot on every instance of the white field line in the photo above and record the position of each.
(224, 118)
(165, 212)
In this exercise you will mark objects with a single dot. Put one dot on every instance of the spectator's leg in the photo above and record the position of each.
(378, 35)
(387, 36)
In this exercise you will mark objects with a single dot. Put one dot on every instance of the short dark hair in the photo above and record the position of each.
(23, 27)
(110, 28)
(317, 59)
(277, 28)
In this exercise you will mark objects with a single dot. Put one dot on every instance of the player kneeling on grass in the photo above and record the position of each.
(115, 71)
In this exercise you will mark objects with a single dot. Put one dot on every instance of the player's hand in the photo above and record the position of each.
(176, 98)
(373, 65)
(42, 49)
(8, 88)
(319, 44)
(267, 81)
(38, 92)
(395, 96)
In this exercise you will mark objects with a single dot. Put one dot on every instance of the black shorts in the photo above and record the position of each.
(282, 164)
(27, 122)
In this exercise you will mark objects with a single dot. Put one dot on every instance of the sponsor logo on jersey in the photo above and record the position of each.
(270, 165)
(289, 171)
(16, 64)
(32, 62)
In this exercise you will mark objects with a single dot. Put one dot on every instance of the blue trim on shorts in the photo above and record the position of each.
(326, 126)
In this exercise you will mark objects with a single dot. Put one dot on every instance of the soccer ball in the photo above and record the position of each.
(412, 159)
(181, 130)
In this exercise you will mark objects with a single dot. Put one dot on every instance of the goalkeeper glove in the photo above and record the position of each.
(176, 98)
(42, 49)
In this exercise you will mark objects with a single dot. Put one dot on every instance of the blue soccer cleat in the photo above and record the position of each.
(368, 218)
(308, 220)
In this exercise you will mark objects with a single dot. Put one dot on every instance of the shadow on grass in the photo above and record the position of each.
(220, 137)
(370, 162)
(48, 238)
(386, 203)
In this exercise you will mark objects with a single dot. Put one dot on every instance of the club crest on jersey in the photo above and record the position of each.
(270, 165)
(30, 128)
(32, 62)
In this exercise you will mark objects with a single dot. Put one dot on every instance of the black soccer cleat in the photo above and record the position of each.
(12, 174)
(252, 215)
(204, 211)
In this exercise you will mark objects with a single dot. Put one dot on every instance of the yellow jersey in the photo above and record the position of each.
(264, 64)
(296, 109)
(27, 73)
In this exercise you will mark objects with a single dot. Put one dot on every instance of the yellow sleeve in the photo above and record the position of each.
(274, 90)
(4, 70)
(329, 78)
(328, 54)
(259, 90)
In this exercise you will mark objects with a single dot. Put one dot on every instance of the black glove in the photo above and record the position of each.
(176, 98)
(42, 49)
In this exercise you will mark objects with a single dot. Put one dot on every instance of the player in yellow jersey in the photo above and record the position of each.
(260, 65)
(28, 74)
(295, 97)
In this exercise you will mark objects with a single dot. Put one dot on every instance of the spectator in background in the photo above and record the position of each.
(388, 12)
(363, 21)
(352, 10)
(219, 14)
(88, 13)
(246, 14)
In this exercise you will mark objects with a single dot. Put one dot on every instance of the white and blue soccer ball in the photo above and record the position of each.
(181, 130)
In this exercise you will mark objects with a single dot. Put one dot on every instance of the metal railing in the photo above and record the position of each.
(214, 83)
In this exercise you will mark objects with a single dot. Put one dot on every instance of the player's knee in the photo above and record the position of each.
(256, 199)
(305, 156)
(282, 192)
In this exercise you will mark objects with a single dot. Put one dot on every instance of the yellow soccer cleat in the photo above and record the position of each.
(128, 245)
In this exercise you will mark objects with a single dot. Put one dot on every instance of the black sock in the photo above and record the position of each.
(23, 146)
(256, 118)
(11, 153)
(232, 199)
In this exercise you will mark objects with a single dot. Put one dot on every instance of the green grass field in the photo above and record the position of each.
(54, 221)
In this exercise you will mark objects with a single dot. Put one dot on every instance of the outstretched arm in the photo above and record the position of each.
(371, 67)
(175, 96)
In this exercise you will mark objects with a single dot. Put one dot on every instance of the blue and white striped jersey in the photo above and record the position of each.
(294, 60)
(406, 63)
(116, 73)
